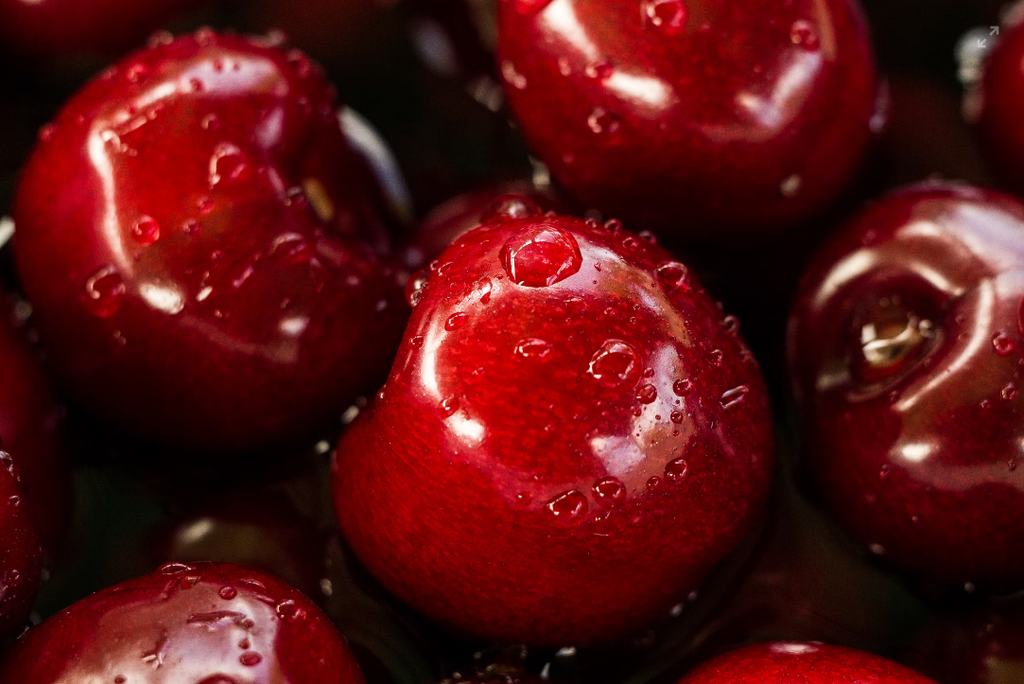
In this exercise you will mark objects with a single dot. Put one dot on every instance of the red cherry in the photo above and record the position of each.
(185, 234)
(906, 353)
(518, 199)
(30, 430)
(570, 438)
(998, 105)
(689, 116)
(207, 622)
(808, 663)
(53, 27)
(21, 555)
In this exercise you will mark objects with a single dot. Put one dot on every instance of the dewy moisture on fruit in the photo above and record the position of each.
(571, 437)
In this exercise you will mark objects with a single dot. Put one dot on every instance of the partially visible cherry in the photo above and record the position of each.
(446, 222)
(573, 425)
(907, 355)
(804, 662)
(55, 27)
(30, 429)
(212, 623)
(21, 555)
(998, 105)
(188, 236)
(697, 119)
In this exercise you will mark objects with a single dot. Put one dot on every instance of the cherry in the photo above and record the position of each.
(998, 104)
(691, 117)
(211, 623)
(30, 422)
(571, 437)
(20, 551)
(906, 353)
(53, 27)
(806, 662)
(464, 212)
(187, 235)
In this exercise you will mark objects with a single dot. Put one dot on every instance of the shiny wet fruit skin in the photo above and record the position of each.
(571, 436)
(1000, 105)
(189, 235)
(700, 120)
(21, 555)
(56, 27)
(805, 662)
(906, 354)
(207, 623)
(30, 430)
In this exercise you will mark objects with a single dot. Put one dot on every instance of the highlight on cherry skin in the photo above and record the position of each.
(194, 234)
(209, 623)
(805, 662)
(905, 348)
(701, 120)
(566, 400)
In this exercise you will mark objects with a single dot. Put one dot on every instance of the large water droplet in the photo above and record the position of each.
(146, 230)
(448, 406)
(682, 387)
(104, 291)
(568, 508)
(802, 33)
(228, 163)
(533, 348)
(250, 658)
(416, 288)
(604, 123)
(227, 593)
(647, 394)
(668, 16)
(456, 321)
(609, 491)
(677, 471)
(1002, 344)
(540, 255)
(734, 396)
(614, 364)
(674, 276)
(289, 610)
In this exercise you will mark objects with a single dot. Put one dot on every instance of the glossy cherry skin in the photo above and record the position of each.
(697, 119)
(464, 212)
(906, 354)
(53, 27)
(573, 426)
(999, 104)
(208, 623)
(807, 663)
(21, 555)
(30, 429)
(187, 234)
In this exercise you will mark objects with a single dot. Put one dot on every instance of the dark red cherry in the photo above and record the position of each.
(996, 105)
(54, 27)
(907, 357)
(517, 199)
(209, 623)
(805, 662)
(187, 233)
(30, 422)
(21, 555)
(571, 437)
(698, 119)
